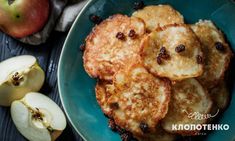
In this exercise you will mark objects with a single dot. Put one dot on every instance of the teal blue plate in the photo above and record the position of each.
(77, 88)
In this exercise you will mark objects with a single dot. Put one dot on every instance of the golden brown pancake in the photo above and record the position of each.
(187, 100)
(139, 100)
(158, 15)
(216, 51)
(173, 51)
(112, 45)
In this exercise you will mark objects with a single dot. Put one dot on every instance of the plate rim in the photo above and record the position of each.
(89, 2)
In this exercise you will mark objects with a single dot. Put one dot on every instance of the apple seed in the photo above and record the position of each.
(37, 115)
(17, 78)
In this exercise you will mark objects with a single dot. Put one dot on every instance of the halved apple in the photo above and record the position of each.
(38, 118)
(18, 76)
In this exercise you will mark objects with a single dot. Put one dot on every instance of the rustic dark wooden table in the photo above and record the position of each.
(48, 56)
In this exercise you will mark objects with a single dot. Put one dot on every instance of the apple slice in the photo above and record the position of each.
(37, 117)
(18, 76)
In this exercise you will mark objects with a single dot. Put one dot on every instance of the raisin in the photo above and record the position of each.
(164, 56)
(163, 50)
(112, 125)
(132, 34)
(180, 48)
(95, 19)
(127, 136)
(159, 60)
(144, 127)
(219, 46)
(138, 5)
(199, 59)
(82, 47)
(114, 106)
(120, 36)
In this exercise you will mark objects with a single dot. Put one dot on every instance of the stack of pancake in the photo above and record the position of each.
(153, 70)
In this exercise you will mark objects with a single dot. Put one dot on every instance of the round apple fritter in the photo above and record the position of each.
(216, 51)
(156, 16)
(173, 51)
(188, 100)
(113, 44)
(139, 100)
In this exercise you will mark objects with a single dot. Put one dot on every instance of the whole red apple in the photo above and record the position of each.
(20, 18)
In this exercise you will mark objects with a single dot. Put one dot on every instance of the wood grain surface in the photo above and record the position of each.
(48, 56)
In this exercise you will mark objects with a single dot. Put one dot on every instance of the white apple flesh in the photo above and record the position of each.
(18, 76)
(38, 118)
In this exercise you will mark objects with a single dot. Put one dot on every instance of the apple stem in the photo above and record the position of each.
(50, 129)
